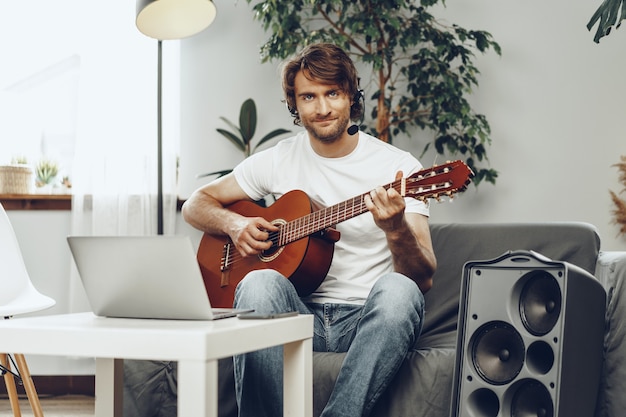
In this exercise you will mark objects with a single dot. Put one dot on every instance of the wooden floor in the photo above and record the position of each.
(53, 406)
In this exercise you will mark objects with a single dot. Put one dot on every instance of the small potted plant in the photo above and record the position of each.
(46, 172)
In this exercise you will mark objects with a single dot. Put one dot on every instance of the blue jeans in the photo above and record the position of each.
(376, 337)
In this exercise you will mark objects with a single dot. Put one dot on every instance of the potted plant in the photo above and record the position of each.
(46, 172)
(421, 69)
(241, 136)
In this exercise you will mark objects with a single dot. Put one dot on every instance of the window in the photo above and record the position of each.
(39, 83)
(78, 81)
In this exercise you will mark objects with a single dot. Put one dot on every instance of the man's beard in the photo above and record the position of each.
(327, 134)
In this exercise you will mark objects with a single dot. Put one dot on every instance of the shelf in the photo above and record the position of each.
(36, 201)
(45, 202)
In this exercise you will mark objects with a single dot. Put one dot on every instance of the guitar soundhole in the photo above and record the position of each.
(276, 249)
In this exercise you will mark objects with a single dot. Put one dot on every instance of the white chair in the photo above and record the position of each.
(17, 296)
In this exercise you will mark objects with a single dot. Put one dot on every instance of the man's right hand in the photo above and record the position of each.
(250, 235)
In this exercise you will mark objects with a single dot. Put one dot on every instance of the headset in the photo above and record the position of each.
(353, 129)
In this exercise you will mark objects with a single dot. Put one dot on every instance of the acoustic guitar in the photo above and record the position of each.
(302, 248)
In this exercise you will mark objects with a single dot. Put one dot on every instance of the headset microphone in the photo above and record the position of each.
(353, 129)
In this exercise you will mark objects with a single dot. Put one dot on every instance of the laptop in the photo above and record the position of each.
(150, 277)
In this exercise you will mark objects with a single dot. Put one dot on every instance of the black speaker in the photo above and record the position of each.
(530, 339)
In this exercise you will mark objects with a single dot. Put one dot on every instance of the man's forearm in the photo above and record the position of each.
(206, 214)
(410, 257)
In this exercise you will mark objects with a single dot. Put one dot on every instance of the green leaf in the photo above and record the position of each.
(233, 138)
(271, 135)
(232, 125)
(247, 120)
(609, 16)
(218, 173)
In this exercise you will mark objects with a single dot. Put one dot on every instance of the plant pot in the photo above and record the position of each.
(16, 179)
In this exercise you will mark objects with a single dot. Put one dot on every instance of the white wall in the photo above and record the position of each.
(554, 100)
(220, 68)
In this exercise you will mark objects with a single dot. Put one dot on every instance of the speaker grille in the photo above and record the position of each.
(497, 352)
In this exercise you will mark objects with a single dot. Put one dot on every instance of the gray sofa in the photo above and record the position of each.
(423, 385)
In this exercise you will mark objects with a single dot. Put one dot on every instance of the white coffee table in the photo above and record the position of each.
(195, 345)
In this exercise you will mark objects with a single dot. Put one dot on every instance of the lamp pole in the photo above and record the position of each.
(169, 19)
(160, 138)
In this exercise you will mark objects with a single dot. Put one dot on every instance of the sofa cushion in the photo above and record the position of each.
(422, 387)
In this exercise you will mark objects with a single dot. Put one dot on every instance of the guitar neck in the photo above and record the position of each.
(327, 217)
(435, 182)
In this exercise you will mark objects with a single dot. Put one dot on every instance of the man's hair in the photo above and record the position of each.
(328, 64)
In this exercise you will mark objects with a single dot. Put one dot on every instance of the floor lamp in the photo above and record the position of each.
(169, 20)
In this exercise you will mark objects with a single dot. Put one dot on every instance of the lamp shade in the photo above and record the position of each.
(174, 19)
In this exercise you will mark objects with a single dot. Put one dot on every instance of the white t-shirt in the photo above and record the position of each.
(361, 254)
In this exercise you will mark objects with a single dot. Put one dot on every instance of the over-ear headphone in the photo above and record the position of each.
(358, 97)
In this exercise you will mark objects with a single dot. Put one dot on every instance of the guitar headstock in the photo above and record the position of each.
(438, 181)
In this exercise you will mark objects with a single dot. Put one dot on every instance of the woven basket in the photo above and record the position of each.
(16, 179)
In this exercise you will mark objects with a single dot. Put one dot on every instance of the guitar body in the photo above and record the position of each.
(305, 262)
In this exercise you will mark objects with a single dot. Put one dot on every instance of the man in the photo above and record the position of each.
(371, 302)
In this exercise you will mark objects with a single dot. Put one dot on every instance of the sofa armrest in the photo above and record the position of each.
(611, 265)
(611, 272)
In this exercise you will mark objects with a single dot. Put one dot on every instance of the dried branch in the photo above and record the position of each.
(620, 205)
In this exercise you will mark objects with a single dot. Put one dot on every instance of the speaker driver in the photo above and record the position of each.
(532, 399)
(484, 403)
(540, 303)
(497, 352)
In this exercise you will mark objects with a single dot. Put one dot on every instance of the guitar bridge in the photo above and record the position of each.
(225, 264)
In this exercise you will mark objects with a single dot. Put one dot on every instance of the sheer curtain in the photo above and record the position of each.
(115, 168)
